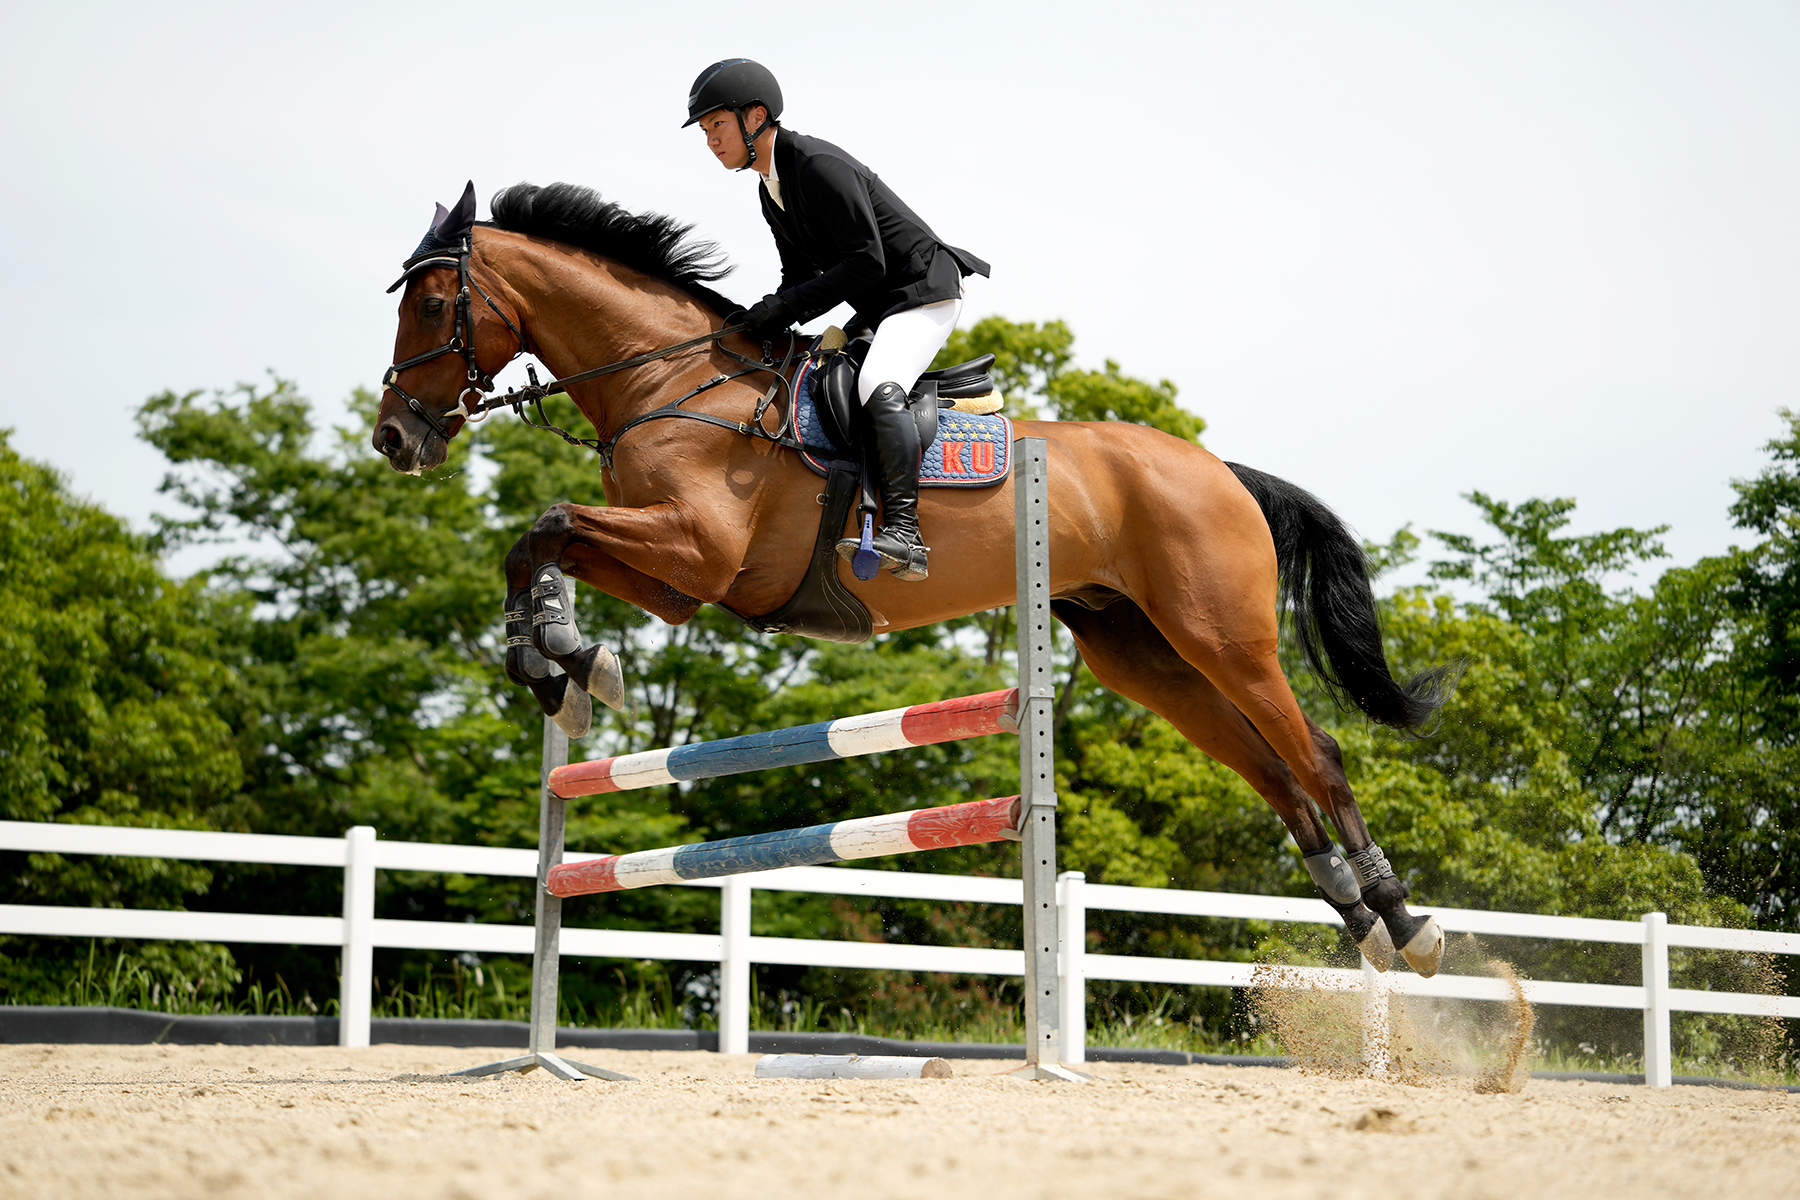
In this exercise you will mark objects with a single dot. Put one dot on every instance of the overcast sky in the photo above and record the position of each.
(1391, 251)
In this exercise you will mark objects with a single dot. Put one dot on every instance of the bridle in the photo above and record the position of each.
(462, 341)
(479, 383)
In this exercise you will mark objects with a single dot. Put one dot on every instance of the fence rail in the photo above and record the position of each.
(358, 932)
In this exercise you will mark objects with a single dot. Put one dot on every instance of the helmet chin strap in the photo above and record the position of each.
(749, 138)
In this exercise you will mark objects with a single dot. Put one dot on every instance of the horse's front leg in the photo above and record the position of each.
(592, 544)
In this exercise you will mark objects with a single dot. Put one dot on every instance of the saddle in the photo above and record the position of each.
(825, 417)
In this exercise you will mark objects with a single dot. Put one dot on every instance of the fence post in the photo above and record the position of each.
(734, 965)
(546, 947)
(1037, 755)
(1375, 1021)
(1658, 1060)
(357, 980)
(1072, 931)
(546, 950)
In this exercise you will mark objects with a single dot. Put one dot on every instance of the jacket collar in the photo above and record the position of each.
(785, 170)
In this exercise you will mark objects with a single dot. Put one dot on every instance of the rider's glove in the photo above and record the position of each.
(769, 315)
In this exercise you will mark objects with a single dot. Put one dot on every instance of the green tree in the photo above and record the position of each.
(1745, 824)
(109, 682)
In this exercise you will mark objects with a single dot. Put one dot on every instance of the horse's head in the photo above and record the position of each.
(437, 379)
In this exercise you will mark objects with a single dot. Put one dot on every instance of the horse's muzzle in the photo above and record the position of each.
(407, 452)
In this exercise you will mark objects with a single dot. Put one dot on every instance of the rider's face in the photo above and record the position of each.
(723, 138)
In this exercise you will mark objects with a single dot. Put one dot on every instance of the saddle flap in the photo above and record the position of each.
(841, 415)
(834, 394)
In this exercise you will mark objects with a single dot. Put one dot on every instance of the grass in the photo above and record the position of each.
(129, 984)
(1549, 1057)
(459, 993)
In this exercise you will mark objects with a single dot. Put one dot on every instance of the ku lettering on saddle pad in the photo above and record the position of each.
(970, 450)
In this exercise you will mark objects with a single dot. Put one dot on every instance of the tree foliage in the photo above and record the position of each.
(110, 683)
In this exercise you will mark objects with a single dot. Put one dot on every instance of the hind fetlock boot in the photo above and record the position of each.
(901, 550)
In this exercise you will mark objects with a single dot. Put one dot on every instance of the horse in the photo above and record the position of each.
(1171, 568)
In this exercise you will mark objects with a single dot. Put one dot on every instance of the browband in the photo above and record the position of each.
(418, 265)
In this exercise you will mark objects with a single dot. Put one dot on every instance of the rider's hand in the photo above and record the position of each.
(768, 316)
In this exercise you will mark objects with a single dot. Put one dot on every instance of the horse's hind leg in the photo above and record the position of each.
(1237, 653)
(1130, 656)
(1420, 939)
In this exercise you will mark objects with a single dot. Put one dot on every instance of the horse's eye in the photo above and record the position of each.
(433, 306)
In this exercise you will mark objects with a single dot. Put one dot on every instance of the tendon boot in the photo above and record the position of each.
(561, 698)
(897, 544)
(1337, 882)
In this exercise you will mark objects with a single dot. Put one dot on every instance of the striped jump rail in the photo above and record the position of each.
(847, 737)
(966, 824)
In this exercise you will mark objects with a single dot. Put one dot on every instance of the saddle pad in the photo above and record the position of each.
(970, 450)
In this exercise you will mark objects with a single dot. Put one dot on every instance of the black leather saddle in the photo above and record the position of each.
(834, 394)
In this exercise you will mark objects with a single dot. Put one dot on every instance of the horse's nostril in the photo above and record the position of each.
(389, 440)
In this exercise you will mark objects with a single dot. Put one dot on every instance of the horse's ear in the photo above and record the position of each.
(453, 226)
(448, 228)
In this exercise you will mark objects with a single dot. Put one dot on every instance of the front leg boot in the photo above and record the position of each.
(558, 695)
(553, 628)
(595, 669)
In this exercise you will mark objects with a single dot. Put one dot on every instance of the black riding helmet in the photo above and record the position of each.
(736, 83)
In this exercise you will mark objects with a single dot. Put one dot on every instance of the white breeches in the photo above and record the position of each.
(905, 344)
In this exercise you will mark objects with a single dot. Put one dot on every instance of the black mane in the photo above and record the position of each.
(649, 242)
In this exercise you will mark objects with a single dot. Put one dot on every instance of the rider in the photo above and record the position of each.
(844, 236)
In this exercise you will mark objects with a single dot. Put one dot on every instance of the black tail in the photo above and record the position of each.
(1325, 585)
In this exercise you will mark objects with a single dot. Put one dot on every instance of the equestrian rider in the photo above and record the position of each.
(844, 237)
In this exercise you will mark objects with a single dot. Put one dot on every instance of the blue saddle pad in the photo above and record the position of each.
(970, 450)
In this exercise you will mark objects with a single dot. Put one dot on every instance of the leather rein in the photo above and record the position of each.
(479, 383)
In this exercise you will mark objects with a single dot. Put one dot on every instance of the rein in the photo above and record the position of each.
(480, 383)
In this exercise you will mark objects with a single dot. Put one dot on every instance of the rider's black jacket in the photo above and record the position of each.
(845, 236)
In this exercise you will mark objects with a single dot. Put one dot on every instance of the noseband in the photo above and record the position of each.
(462, 341)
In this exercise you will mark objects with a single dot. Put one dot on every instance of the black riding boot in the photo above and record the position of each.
(897, 449)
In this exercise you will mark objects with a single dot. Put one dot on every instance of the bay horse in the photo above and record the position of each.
(1170, 567)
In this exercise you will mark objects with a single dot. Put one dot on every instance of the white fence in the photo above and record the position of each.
(360, 854)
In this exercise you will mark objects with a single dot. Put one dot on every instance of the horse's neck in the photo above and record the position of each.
(581, 311)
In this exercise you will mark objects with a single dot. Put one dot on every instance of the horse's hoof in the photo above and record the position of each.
(598, 670)
(1378, 947)
(1425, 950)
(575, 715)
(563, 701)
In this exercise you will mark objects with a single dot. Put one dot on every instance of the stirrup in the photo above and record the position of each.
(864, 562)
(885, 551)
